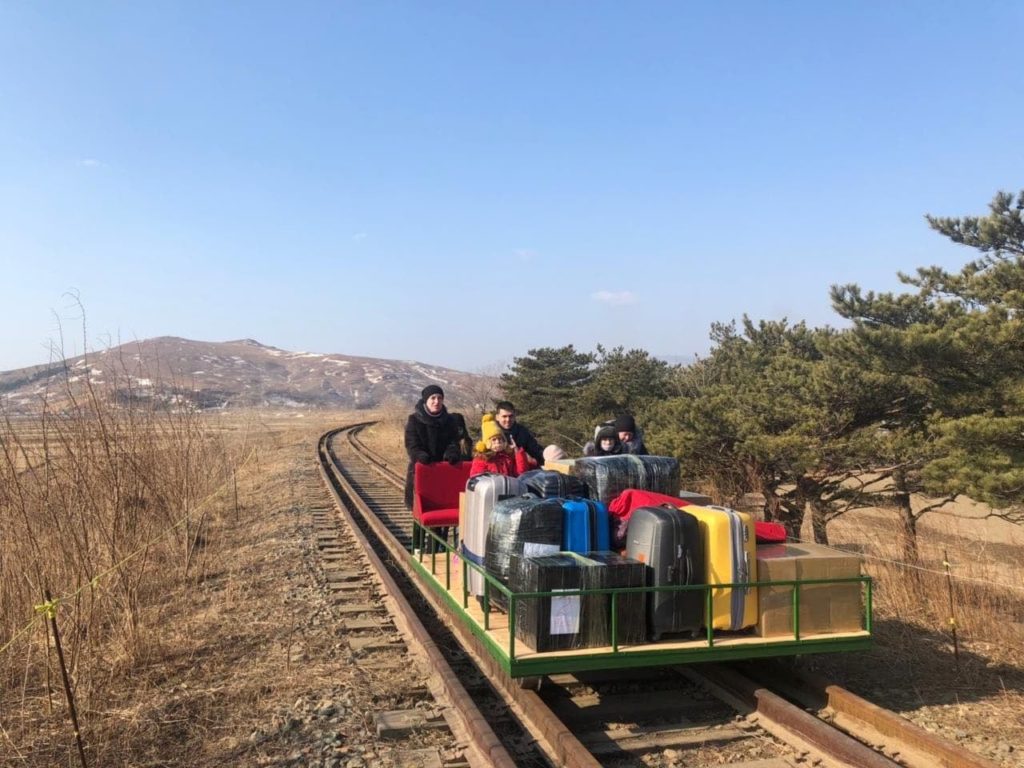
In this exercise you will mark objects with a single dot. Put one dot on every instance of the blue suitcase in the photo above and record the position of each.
(585, 526)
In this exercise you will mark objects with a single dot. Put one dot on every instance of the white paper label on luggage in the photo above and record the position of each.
(565, 614)
(531, 549)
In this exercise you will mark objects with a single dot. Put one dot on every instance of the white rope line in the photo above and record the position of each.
(986, 582)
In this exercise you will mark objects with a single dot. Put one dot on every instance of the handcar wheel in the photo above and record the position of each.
(531, 683)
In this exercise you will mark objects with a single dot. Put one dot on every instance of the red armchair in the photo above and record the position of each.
(435, 496)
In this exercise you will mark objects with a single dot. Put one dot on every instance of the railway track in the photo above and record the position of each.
(745, 715)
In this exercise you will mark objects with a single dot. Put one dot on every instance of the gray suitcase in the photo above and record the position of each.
(669, 542)
(482, 493)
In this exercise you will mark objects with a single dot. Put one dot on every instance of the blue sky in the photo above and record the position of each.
(460, 182)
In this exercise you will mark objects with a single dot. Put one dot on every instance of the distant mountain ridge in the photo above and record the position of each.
(230, 374)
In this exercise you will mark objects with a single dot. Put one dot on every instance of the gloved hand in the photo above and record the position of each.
(452, 455)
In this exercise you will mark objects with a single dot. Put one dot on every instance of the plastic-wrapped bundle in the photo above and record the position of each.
(610, 570)
(608, 476)
(549, 623)
(548, 483)
(525, 526)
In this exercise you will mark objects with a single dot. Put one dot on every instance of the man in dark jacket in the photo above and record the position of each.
(517, 435)
(433, 434)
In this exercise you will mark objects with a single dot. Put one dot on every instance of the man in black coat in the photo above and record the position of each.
(516, 434)
(432, 434)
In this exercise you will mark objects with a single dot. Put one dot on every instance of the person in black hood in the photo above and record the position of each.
(607, 443)
(632, 439)
(433, 434)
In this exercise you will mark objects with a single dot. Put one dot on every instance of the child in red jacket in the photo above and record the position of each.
(493, 454)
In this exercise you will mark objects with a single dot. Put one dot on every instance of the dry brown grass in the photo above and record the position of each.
(114, 506)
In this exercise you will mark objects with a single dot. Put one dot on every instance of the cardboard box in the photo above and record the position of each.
(560, 465)
(824, 608)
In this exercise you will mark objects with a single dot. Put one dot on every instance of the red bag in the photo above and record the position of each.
(769, 533)
(622, 506)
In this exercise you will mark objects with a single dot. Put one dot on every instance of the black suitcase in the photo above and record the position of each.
(547, 483)
(549, 623)
(669, 542)
(611, 570)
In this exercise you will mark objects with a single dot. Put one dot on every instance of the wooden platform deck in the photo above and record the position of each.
(521, 659)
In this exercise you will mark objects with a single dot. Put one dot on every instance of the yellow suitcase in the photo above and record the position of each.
(729, 558)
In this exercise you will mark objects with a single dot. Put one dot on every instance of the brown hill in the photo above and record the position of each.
(231, 374)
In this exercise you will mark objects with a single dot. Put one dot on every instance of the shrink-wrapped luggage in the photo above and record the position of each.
(608, 476)
(668, 541)
(482, 493)
(524, 525)
(610, 570)
(548, 623)
(585, 526)
(547, 483)
(729, 555)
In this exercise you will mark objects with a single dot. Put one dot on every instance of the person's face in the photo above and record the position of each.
(625, 436)
(497, 443)
(607, 443)
(505, 418)
(434, 403)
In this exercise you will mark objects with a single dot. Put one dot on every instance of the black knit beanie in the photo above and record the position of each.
(625, 423)
(607, 433)
(431, 389)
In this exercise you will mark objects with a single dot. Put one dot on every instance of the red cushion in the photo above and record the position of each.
(440, 517)
(769, 533)
(436, 489)
(623, 505)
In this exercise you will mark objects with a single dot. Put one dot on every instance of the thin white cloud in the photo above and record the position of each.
(359, 236)
(614, 298)
(89, 162)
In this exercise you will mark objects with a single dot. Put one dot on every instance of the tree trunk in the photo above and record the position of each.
(908, 523)
(818, 521)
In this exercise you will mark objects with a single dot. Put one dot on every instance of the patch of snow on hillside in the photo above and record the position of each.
(274, 352)
(144, 382)
(429, 374)
(337, 362)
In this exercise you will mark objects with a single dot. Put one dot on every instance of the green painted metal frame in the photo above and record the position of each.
(553, 663)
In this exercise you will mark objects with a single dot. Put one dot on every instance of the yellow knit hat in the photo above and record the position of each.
(488, 428)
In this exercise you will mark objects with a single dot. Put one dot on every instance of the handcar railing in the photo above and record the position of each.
(442, 546)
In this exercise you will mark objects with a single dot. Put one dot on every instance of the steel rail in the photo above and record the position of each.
(486, 747)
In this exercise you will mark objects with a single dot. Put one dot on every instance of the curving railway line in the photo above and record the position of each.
(763, 715)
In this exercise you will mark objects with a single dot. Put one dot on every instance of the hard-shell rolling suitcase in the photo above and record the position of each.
(585, 527)
(668, 541)
(524, 525)
(482, 493)
(547, 483)
(608, 476)
(730, 558)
